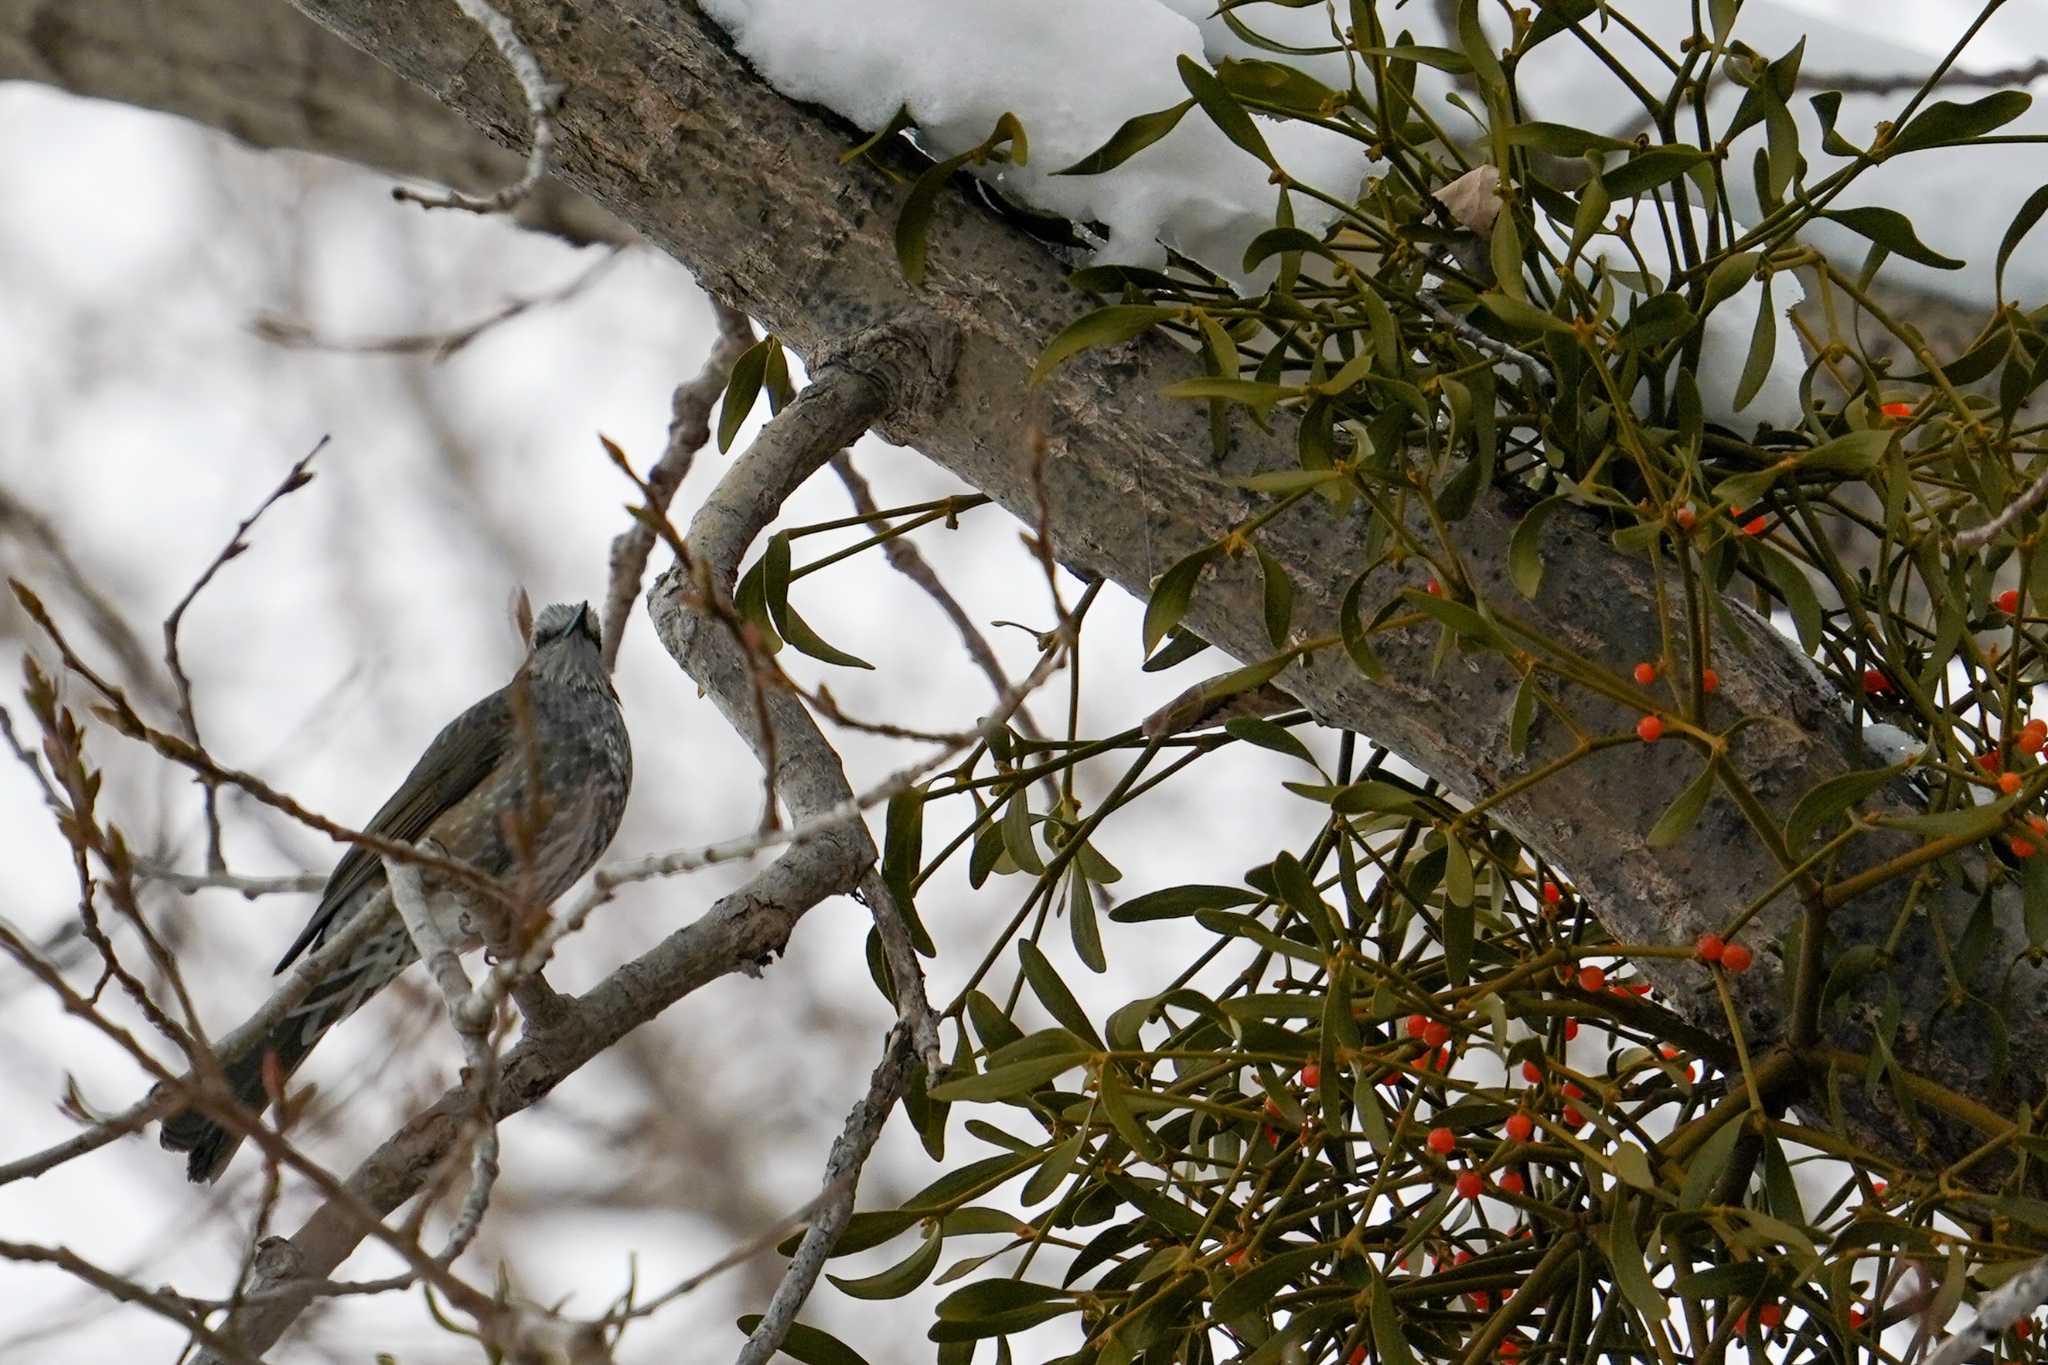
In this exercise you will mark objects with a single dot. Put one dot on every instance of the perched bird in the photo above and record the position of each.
(471, 797)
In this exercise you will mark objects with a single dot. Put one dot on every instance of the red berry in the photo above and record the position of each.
(1736, 958)
(1416, 1024)
(1509, 1349)
(1532, 1073)
(1571, 1029)
(1754, 526)
(1512, 1182)
(1874, 681)
(1646, 673)
(1710, 681)
(2021, 848)
(1991, 762)
(1572, 1117)
(1311, 1076)
(1742, 1322)
(1436, 1033)
(1878, 1187)
(1650, 729)
(2009, 783)
(1520, 1127)
(2009, 601)
(1770, 1315)
(2033, 737)
(1470, 1183)
(1684, 516)
(1572, 1091)
(1708, 947)
(1856, 1319)
(1442, 1141)
(1551, 893)
(1898, 412)
(1357, 1356)
(1667, 1052)
(1591, 978)
(1236, 1257)
(2023, 1328)
(1435, 588)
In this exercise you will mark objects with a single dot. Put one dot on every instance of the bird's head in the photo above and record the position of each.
(566, 644)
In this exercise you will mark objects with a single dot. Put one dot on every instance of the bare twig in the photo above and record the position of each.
(1862, 83)
(1539, 379)
(295, 478)
(166, 1305)
(689, 429)
(739, 1255)
(1996, 1312)
(1977, 537)
(906, 973)
(541, 97)
(281, 331)
(249, 888)
(903, 557)
(842, 1173)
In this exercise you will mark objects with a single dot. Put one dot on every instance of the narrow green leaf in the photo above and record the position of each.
(811, 1345)
(1007, 1082)
(1017, 840)
(1052, 993)
(1525, 547)
(1223, 109)
(2022, 223)
(1171, 594)
(1826, 800)
(1561, 140)
(899, 1279)
(1110, 326)
(1253, 1291)
(1945, 121)
(1264, 733)
(1680, 815)
(1082, 925)
(1178, 902)
(1625, 1254)
(775, 585)
(1893, 231)
(914, 222)
(1387, 1335)
(1763, 344)
(1134, 136)
(742, 387)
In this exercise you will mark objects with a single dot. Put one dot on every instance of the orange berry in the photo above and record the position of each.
(2009, 601)
(1442, 1141)
(1708, 947)
(2023, 1328)
(1311, 1076)
(1754, 526)
(1436, 1033)
(1684, 516)
(1510, 1348)
(1551, 893)
(1520, 1127)
(1898, 412)
(1416, 1024)
(1742, 1322)
(1710, 681)
(1513, 1183)
(1532, 1073)
(1236, 1257)
(1646, 673)
(2033, 737)
(1878, 1187)
(2009, 783)
(1591, 978)
(2021, 848)
(1470, 1184)
(1650, 729)
(1667, 1052)
(1874, 681)
(1736, 958)
(1435, 588)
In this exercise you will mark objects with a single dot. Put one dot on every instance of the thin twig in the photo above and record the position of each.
(1996, 1312)
(248, 888)
(913, 1008)
(295, 478)
(541, 98)
(842, 1173)
(689, 430)
(281, 331)
(1977, 537)
(1539, 380)
(739, 1255)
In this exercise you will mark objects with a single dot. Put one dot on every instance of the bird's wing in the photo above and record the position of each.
(468, 749)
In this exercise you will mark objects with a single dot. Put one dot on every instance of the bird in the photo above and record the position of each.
(471, 797)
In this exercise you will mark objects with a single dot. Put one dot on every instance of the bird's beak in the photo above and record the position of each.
(586, 621)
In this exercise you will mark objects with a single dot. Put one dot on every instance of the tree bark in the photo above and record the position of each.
(664, 126)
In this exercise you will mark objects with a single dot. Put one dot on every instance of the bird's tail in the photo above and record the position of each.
(209, 1144)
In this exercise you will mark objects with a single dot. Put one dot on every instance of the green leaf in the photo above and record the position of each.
(1478, 50)
(1059, 1163)
(1008, 1081)
(1352, 630)
(1680, 815)
(1728, 277)
(899, 1279)
(1560, 140)
(742, 387)
(1625, 1255)
(1276, 83)
(1052, 993)
(1178, 902)
(1788, 576)
(1763, 344)
(1945, 121)
(811, 1345)
(1386, 1318)
(1017, 840)
(1264, 733)
(1256, 1288)
(1828, 799)
(1525, 316)
(1707, 1164)
(1964, 821)
(1123, 1120)
(1223, 109)
(1082, 925)
(1279, 240)
(1857, 453)
(1110, 326)
(902, 855)
(775, 376)
(1525, 547)
(984, 1298)
(2022, 223)
(1133, 137)
(1171, 594)
(1250, 392)
(1647, 170)
(775, 592)
(914, 222)
(1893, 231)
